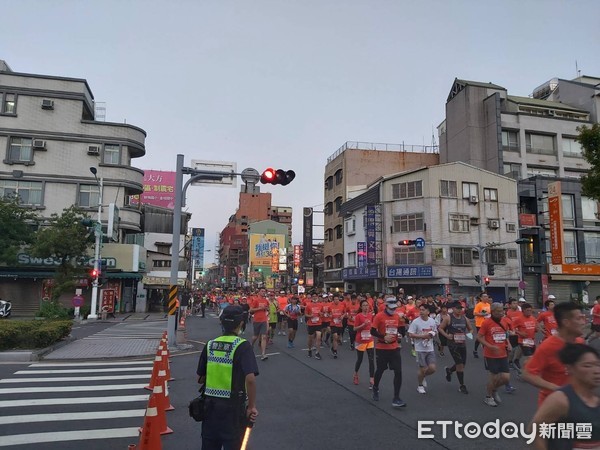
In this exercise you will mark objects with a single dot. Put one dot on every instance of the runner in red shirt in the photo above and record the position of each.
(259, 307)
(364, 341)
(385, 329)
(525, 327)
(314, 325)
(544, 370)
(546, 320)
(493, 337)
(337, 312)
(371, 303)
(595, 330)
(352, 309)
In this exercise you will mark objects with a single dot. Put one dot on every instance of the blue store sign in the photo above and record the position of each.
(410, 272)
(359, 273)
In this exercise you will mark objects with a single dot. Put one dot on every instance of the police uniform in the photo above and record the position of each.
(224, 363)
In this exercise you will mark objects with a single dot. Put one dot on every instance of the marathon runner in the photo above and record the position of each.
(525, 328)
(364, 341)
(546, 320)
(423, 330)
(292, 312)
(337, 312)
(481, 312)
(314, 325)
(456, 328)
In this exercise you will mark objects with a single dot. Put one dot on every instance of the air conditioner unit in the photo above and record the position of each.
(474, 221)
(93, 150)
(473, 199)
(47, 104)
(495, 224)
(38, 143)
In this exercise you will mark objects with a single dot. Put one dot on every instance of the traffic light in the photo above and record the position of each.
(490, 270)
(279, 176)
(486, 280)
(94, 273)
(478, 279)
(406, 242)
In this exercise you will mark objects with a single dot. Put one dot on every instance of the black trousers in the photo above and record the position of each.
(222, 428)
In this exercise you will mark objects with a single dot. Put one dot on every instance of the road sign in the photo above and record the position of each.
(420, 243)
(216, 166)
(77, 301)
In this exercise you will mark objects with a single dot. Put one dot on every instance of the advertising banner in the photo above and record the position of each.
(307, 241)
(361, 254)
(555, 218)
(159, 189)
(274, 260)
(297, 258)
(261, 248)
(371, 236)
(198, 247)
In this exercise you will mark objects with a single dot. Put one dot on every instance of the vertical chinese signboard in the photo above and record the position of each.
(307, 241)
(555, 218)
(275, 260)
(108, 300)
(371, 236)
(297, 254)
(361, 254)
(198, 248)
(159, 189)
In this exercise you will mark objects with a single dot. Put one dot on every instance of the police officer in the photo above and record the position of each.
(228, 368)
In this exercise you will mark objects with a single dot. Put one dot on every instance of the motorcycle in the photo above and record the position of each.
(5, 308)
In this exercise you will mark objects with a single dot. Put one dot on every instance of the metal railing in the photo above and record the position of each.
(383, 147)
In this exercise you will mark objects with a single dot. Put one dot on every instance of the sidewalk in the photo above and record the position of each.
(130, 335)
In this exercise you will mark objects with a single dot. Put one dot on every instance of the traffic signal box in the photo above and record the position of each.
(279, 176)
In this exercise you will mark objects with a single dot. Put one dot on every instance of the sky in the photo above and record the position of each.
(285, 83)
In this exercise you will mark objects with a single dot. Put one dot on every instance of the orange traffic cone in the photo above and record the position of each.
(150, 432)
(161, 417)
(162, 378)
(182, 323)
(155, 368)
(166, 364)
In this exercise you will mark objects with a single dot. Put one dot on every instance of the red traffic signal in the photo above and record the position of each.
(94, 273)
(279, 176)
(486, 280)
(407, 242)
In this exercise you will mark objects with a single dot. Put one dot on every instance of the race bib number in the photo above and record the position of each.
(337, 321)
(365, 335)
(554, 332)
(460, 338)
(391, 330)
(528, 342)
(499, 337)
(314, 319)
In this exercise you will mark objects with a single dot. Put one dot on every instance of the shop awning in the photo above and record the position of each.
(26, 274)
(124, 275)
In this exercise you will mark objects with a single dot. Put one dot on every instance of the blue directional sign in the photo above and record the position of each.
(420, 243)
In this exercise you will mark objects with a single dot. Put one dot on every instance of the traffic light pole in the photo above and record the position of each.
(93, 315)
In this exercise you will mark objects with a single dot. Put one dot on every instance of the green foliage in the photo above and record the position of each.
(32, 334)
(53, 310)
(589, 138)
(65, 239)
(17, 225)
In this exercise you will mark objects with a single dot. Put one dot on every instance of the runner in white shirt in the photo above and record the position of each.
(422, 330)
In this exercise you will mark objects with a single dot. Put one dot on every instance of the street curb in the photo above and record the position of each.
(32, 355)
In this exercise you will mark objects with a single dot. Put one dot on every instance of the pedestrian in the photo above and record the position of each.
(273, 316)
(492, 335)
(525, 328)
(352, 309)
(544, 370)
(292, 311)
(364, 341)
(203, 304)
(422, 331)
(481, 312)
(385, 328)
(337, 313)
(314, 326)
(546, 320)
(227, 368)
(456, 328)
(575, 406)
(260, 308)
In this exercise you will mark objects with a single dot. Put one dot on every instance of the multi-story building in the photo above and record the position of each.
(456, 220)
(51, 140)
(533, 139)
(347, 173)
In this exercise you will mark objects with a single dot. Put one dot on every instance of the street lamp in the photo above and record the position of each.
(98, 232)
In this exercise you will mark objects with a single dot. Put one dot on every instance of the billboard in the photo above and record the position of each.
(261, 248)
(198, 247)
(555, 216)
(159, 189)
(307, 240)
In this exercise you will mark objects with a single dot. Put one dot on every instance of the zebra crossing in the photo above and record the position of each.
(132, 330)
(47, 405)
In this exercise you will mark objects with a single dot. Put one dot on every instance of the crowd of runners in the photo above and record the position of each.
(509, 336)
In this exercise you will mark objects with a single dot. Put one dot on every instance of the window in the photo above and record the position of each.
(470, 190)
(408, 255)
(569, 249)
(352, 259)
(510, 141)
(490, 195)
(8, 103)
(161, 263)
(571, 148)
(459, 223)
(592, 247)
(461, 256)
(338, 176)
(568, 210)
(329, 262)
(589, 211)
(339, 231)
(89, 196)
(329, 234)
(28, 192)
(20, 150)
(328, 210)
(112, 154)
(408, 222)
(496, 255)
(540, 143)
(410, 189)
(351, 225)
(329, 183)
(512, 170)
(448, 189)
(512, 253)
(338, 203)
(532, 171)
(339, 261)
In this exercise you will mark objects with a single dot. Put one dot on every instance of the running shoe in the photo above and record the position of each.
(317, 355)
(264, 357)
(370, 386)
(463, 389)
(509, 389)
(448, 375)
(421, 390)
(375, 394)
(310, 354)
(497, 398)
(355, 379)
(490, 401)
(424, 382)
(413, 352)
(398, 403)
(335, 354)
(351, 346)
(290, 345)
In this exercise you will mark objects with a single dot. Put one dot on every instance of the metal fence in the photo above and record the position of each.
(383, 147)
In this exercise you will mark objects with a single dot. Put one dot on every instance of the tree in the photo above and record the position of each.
(589, 138)
(66, 240)
(17, 224)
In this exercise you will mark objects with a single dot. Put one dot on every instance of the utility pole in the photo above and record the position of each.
(98, 243)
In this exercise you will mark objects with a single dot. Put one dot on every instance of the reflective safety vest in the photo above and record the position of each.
(219, 367)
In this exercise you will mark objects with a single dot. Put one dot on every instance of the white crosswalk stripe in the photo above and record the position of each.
(142, 330)
(95, 401)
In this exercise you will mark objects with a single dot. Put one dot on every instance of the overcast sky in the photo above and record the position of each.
(285, 83)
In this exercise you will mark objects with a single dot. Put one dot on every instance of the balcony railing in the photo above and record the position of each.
(383, 147)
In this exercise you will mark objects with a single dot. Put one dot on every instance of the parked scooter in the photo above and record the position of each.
(5, 308)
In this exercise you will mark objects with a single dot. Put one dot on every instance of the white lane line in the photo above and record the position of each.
(73, 401)
(93, 364)
(56, 417)
(269, 354)
(101, 387)
(46, 372)
(63, 379)
(61, 436)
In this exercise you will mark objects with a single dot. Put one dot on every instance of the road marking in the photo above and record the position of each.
(93, 364)
(63, 379)
(268, 354)
(56, 417)
(72, 401)
(57, 436)
(103, 387)
(121, 336)
(197, 342)
(118, 369)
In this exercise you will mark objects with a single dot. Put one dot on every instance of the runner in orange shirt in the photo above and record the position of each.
(337, 311)
(481, 312)
(352, 309)
(364, 341)
(546, 320)
(283, 300)
(259, 307)
(595, 328)
(525, 327)
(314, 325)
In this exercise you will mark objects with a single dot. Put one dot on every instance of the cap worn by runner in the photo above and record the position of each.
(551, 297)
(391, 303)
(522, 300)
